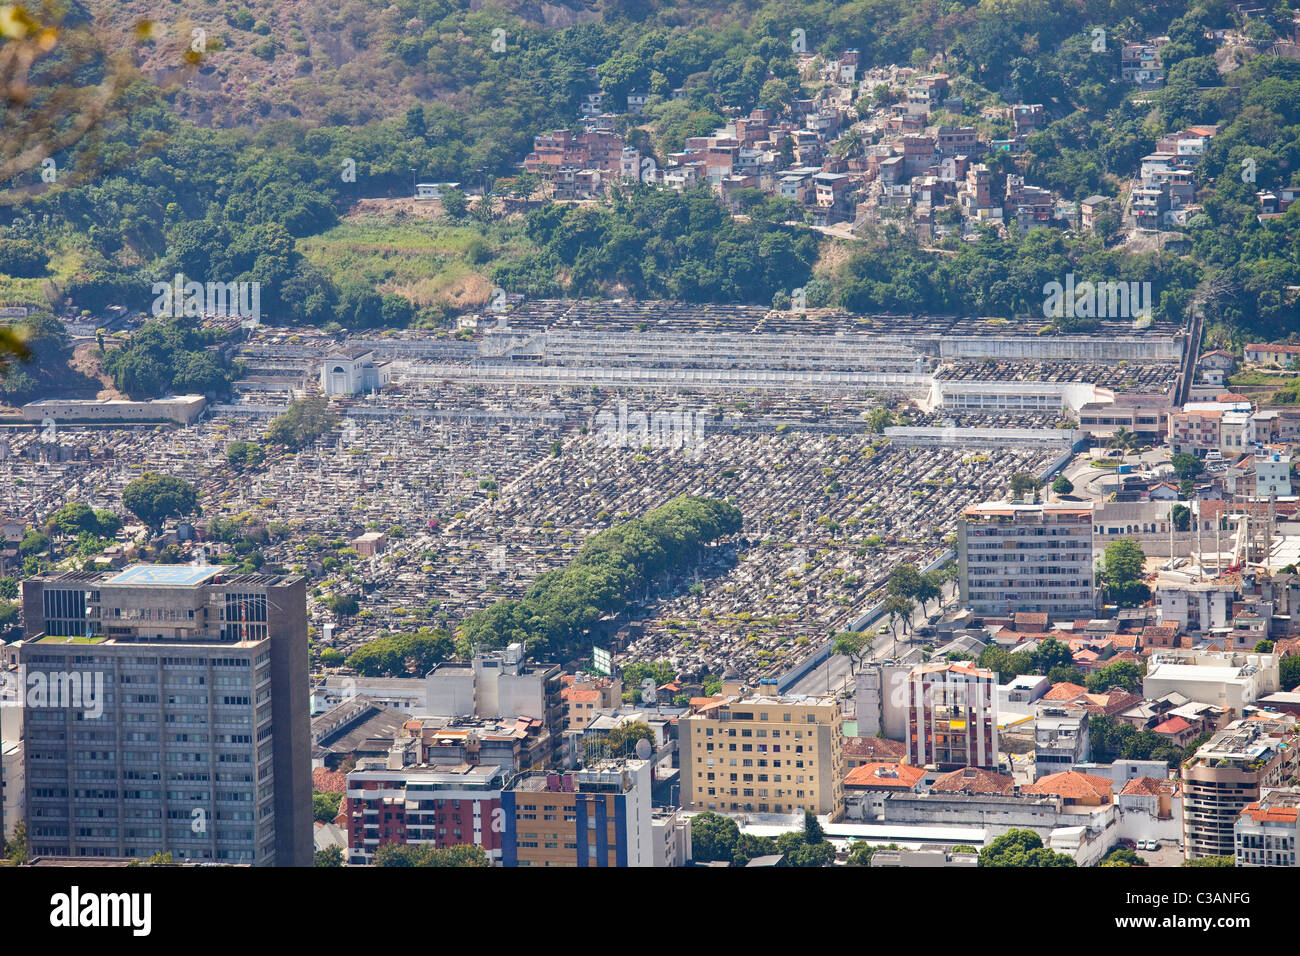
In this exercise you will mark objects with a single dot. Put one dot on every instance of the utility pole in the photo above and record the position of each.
(1200, 555)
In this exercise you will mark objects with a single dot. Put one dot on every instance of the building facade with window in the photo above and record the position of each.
(1027, 557)
(433, 805)
(1228, 774)
(597, 816)
(952, 717)
(167, 712)
(764, 755)
(1266, 832)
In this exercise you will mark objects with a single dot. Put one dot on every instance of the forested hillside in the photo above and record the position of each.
(302, 92)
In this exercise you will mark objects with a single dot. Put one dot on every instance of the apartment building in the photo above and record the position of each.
(1199, 427)
(1195, 607)
(764, 754)
(1027, 557)
(952, 719)
(500, 684)
(597, 816)
(586, 696)
(181, 719)
(1228, 774)
(438, 805)
(1061, 740)
(1266, 832)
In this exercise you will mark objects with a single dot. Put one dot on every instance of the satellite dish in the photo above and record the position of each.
(643, 749)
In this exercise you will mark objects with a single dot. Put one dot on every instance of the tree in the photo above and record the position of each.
(1186, 465)
(748, 847)
(302, 423)
(899, 607)
(904, 579)
(1050, 655)
(713, 837)
(16, 849)
(852, 644)
(33, 542)
(23, 258)
(461, 855)
(1123, 441)
(454, 203)
(330, 856)
(155, 497)
(1021, 848)
(1181, 515)
(1065, 675)
(1122, 856)
(619, 742)
(245, 454)
(1062, 485)
(1289, 671)
(343, 605)
(63, 84)
(325, 806)
(808, 847)
(878, 419)
(1211, 861)
(812, 829)
(931, 588)
(1022, 483)
(1124, 564)
(860, 853)
(399, 655)
(1125, 674)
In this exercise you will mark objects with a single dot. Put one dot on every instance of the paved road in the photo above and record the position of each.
(1099, 482)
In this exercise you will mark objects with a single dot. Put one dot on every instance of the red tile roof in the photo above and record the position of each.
(1273, 814)
(1152, 787)
(974, 780)
(1072, 785)
(329, 781)
(1174, 725)
(883, 776)
(1064, 691)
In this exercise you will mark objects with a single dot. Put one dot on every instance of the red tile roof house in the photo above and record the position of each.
(1177, 730)
(887, 777)
(974, 781)
(1064, 691)
(1074, 788)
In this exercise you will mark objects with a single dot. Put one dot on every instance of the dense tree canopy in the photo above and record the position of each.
(1021, 848)
(403, 655)
(154, 497)
(559, 609)
(302, 423)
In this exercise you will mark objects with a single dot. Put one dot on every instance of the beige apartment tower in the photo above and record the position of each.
(744, 753)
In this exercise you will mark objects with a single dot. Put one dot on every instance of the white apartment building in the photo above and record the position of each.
(1195, 609)
(1266, 832)
(1027, 557)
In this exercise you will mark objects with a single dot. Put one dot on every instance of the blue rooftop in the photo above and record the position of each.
(183, 575)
